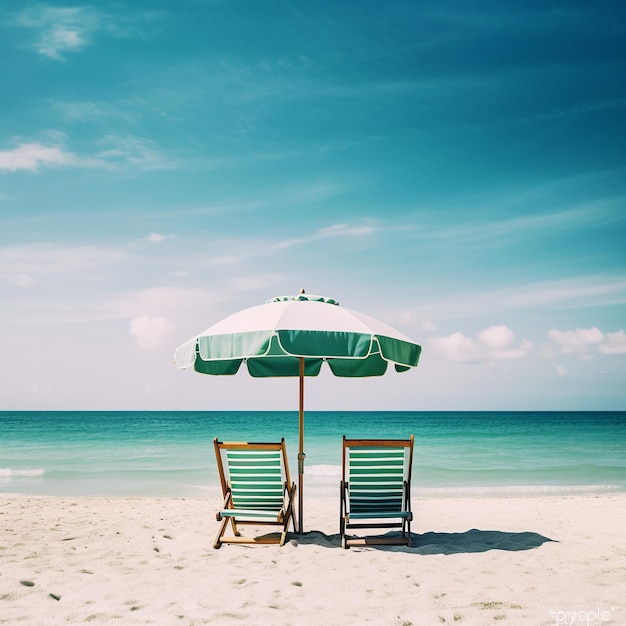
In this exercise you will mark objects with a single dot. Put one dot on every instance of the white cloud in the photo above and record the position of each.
(585, 342)
(496, 337)
(493, 343)
(456, 347)
(615, 343)
(66, 290)
(579, 341)
(30, 156)
(499, 340)
(60, 29)
(117, 152)
(151, 333)
(561, 371)
(158, 238)
(343, 230)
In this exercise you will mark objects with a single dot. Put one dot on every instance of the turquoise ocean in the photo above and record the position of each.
(457, 454)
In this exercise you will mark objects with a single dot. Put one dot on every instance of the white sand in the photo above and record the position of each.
(548, 560)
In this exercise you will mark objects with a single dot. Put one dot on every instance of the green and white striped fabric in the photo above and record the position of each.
(376, 482)
(257, 483)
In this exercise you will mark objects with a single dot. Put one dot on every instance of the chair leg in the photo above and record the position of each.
(218, 538)
(235, 529)
(340, 505)
(342, 519)
(290, 516)
(291, 512)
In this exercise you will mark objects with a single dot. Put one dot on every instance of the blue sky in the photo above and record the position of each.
(457, 169)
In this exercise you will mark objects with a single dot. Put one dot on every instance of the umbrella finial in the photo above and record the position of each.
(302, 291)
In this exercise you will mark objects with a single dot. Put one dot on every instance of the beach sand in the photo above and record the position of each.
(519, 560)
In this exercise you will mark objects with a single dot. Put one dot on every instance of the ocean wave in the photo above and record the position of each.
(502, 490)
(324, 471)
(579, 468)
(7, 472)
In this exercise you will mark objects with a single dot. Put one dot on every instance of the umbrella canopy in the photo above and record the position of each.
(294, 336)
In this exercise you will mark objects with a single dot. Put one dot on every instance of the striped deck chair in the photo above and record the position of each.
(376, 489)
(257, 490)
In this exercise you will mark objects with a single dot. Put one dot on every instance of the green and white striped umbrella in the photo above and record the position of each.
(294, 336)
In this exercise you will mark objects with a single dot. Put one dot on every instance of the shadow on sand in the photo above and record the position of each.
(469, 542)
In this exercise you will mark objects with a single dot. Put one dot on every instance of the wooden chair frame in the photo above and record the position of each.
(400, 512)
(279, 513)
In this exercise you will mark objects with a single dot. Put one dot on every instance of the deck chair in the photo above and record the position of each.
(257, 490)
(376, 489)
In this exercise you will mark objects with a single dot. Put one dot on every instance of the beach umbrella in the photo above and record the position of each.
(294, 336)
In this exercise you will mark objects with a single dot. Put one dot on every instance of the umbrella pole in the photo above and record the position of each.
(301, 454)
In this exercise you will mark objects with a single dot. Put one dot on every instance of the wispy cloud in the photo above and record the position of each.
(315, 193)
(329, 232)
(500, 231)
(88, 111)
(116, 151)
(57, 285)
(344, 230)
(36, 261)
(158, 238)
(136, 151)
(589, 291)
(60, 30)
(568, 114)
(57, 30)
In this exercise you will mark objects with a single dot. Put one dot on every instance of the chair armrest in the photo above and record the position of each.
(226, 505)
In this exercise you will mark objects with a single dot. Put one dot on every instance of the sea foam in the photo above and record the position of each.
(323, 471)
(8, 473)
(512, 490)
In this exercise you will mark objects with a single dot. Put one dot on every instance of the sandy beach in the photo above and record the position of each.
(541, 560)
